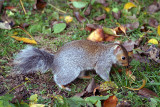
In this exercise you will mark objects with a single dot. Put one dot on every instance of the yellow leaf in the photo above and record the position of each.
(153, 41)
(26, 40)
(158, 30)
(96, 36)
(68, 19)
(107, 9)
(129, 5)
(33, 98)
(36, 105)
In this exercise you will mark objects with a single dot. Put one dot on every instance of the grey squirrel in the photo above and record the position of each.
(72, 60)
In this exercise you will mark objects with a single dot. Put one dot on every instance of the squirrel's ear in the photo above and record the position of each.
(117, 49)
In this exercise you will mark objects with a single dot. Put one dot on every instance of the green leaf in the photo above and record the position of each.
(33, 98)
(109, 31)
(115, 10)
(97, 100)
(79, 4)
(4, 101)
(59, 27)
(153, 102)
(94, 99)
(92, 2)
(78, 102)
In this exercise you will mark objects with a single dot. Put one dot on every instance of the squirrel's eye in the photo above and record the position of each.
(123, 58)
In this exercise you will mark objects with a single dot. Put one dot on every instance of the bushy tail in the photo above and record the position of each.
(31, 59)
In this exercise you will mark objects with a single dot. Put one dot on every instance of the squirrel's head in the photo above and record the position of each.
(121, 55)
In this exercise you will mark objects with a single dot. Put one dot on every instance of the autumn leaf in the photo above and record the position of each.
(25, 40)
(158, 30)
(79, 17)
(153, 41)
(96, 35)
(123, 29)
(36, 105)
(111, 101)
(33, 98)
(107, 9)
(68, 19)
(147, 93)
(129, 5)
(109, 38)
(130, 75)
(40, 4)
(109, 31)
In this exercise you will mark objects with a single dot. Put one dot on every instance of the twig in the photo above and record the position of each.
(57, 8)
(16, 87)
(25, 32)
(22, 6)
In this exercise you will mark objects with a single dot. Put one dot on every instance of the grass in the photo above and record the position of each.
(40, 29)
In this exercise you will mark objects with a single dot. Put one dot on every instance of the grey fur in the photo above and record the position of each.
(31, 59)
(69, 61)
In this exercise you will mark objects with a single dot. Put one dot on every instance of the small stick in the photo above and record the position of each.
(22, 6)
(16, 87)
(25, 32)
(57, 8)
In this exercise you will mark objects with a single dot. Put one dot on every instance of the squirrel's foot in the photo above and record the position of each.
(63, 87)
(85, 77)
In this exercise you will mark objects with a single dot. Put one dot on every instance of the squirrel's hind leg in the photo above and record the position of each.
(65, 77)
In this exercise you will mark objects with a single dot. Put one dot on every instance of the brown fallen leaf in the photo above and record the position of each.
(88, 90)
(79, 17)
(101, 17)
(1, 5)
(12, 8)
(141, 58)
(96, 36)
(111, 101)
(123, 29)
(40, 4)
(153, 22)
(153, 53)
(147, 93)
(144, 28)
(124, 103)
(109, 38)
(101, 1)
(6, 18)
(154, 7)
(116, 15)
(5, 25)
(91, 86)
(88, 10)
(120, 29)
(91, 27)
(130, 75)
(132, 26)
(129, 45)
(24, 25)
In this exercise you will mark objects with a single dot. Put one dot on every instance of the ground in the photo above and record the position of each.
(40, 25)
